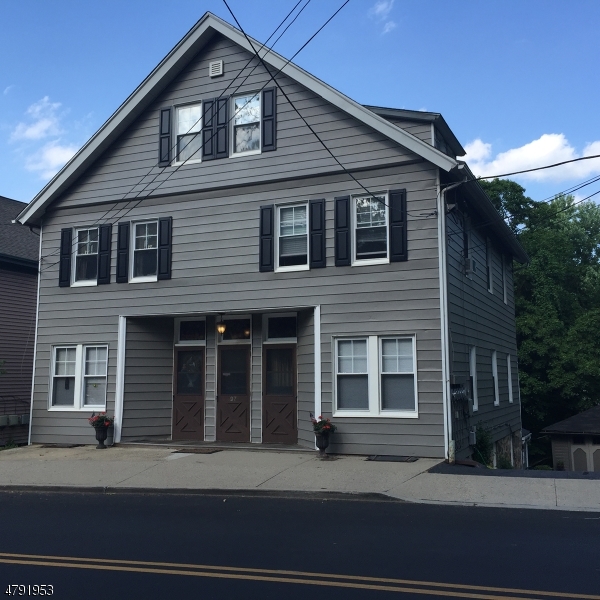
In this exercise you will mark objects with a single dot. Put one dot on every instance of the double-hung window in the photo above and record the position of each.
(370, 216)
(86, 256)
(292, 239)
(145, 250)
(246, 124)
(375, 377)
(473, 377)
(188, 128)
(79, 377)
(495, 378)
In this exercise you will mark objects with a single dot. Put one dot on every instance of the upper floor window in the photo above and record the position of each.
(292, 238)
(145, 249)
(370, 229)
(246, 124)
(489, 265)
(86, 255)
(79, 377)
(188, 128)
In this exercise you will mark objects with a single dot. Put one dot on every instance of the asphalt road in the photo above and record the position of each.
(90, 546)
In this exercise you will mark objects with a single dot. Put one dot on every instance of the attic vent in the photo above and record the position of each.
(215, 68)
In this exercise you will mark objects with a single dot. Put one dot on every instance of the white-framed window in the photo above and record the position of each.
(370, 229)
(473, 376)
(188, 128)
(495, 378)
(246, 119)
(376, 376)
(509, 378)
(489, 265)
(78, 377)
(292, 237)
(144, 245)
(280, 328)
(85, 263)
(190, 331)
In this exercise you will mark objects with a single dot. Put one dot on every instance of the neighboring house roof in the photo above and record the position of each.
(170, 67)
(18, 245)
(586, 422)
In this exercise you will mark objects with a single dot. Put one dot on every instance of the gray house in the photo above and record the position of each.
(19, 250)
(241, 246)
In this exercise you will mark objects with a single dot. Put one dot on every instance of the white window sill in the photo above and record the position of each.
(392, 414)
(88, 283)
(193, 161)
(251, 153)
(85, 409)
(372, 261)
(292, 269)
(143, 279)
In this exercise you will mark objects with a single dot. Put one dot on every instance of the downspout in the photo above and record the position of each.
(35, 338)
(444, 321)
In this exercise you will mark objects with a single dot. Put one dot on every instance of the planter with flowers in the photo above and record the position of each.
(101, 422)
(322, 428)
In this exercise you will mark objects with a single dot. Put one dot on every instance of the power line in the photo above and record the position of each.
(174, 146)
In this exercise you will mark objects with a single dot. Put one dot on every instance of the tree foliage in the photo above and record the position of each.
(557, 302)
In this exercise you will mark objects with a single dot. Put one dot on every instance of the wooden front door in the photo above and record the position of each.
(188, 399)
(279, 395)
(233, 394)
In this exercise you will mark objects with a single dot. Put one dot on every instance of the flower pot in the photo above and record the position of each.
(101, 435)
(322, 441)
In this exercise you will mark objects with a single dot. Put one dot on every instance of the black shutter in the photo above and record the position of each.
(222, 128)
(269, 119)
(317, 234)
(104, 243)
(397, 211)
(64, 269)
(164, 248)
(208, 130)
(266, 258)
(342, 231)
(123, 253)
(164, 138)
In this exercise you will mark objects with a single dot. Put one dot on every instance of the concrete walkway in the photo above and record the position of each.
(152, 469)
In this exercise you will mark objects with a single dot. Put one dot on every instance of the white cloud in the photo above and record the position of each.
(50, 158)
(388, 27)
(44, 121)
(8, 89)
(381, 9)
(548, 149)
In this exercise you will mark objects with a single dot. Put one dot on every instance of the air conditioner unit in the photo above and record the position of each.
(470, 265)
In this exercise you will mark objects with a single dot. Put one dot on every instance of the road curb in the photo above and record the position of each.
(251, 493)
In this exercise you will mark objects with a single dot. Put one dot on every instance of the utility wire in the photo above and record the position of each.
(174, 146)
(564, 162)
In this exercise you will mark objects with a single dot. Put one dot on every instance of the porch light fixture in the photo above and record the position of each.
(221, 327)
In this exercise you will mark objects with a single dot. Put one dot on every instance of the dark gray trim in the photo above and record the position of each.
(23, 264)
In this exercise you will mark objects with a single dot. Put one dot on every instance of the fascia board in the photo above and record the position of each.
(163, 74)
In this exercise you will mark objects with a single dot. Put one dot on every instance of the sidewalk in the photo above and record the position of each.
(152, 469)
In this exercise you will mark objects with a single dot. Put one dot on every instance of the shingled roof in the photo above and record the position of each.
(586, 422)
(16, 241)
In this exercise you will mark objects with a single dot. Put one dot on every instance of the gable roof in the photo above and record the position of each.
(18, 245)
(164, 74)
(587, 421)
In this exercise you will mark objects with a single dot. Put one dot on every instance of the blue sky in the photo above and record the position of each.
(516, 81)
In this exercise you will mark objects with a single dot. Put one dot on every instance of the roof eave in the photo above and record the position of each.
(163, 74)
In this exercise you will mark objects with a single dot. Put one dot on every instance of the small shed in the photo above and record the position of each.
(576, 442)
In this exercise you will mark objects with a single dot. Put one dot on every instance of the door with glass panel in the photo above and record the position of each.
(279, 395)
(233, 394)
(188, 399)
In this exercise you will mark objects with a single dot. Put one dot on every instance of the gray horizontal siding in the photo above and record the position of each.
(482, 319)
(305, 356)
(131, 163)
(423, 131)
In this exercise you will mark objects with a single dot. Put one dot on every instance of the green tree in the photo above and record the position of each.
(557, 302)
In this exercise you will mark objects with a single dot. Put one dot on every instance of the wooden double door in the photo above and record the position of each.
(279, 407)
